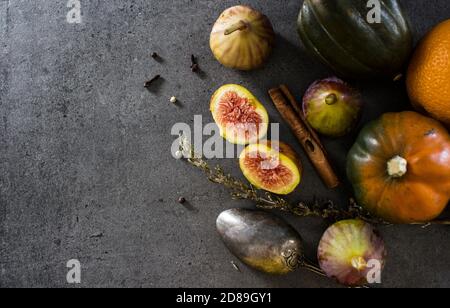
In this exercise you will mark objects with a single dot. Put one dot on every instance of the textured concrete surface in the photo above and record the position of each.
(85, 149)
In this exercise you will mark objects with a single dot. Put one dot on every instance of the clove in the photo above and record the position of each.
(194, 64)
(151, 81)
(97, 235)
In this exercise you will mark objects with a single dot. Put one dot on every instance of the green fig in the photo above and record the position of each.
(332, 107)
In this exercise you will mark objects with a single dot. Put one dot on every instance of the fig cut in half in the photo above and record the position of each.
(272, 166)
(242, 119)
(352, 252)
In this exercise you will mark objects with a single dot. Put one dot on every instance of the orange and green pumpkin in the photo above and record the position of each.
(400, 168)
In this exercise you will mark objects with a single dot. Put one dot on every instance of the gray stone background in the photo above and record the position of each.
(85, 149)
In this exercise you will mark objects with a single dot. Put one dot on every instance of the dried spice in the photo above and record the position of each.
(264, 200)
(151, 81)
(194, 64)
(97, 235)
(290, 110)
(173, 100)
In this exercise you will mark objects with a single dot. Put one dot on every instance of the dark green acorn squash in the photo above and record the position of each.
(339, 34)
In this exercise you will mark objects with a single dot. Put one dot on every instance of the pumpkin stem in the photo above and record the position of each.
(331, 99)
(239, 26)
(397, 167)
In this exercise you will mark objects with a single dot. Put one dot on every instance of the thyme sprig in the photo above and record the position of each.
(240, 190)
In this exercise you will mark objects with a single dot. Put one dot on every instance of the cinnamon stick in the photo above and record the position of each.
(299, 110)
(290, 110)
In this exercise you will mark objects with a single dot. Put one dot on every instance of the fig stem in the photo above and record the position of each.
(239, 26)
(331, 99)
(359, 263)
(313, 268)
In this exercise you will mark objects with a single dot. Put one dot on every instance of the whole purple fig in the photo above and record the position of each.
(352, 252)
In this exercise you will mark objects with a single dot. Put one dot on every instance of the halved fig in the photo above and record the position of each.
(242, 119)
(352, 251)
(272, 166)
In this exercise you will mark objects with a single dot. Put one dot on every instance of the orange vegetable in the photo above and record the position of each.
(400, 168)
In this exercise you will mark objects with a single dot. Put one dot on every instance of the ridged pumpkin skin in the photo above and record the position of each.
(423, 192)
(244, 49)
(339, 34)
